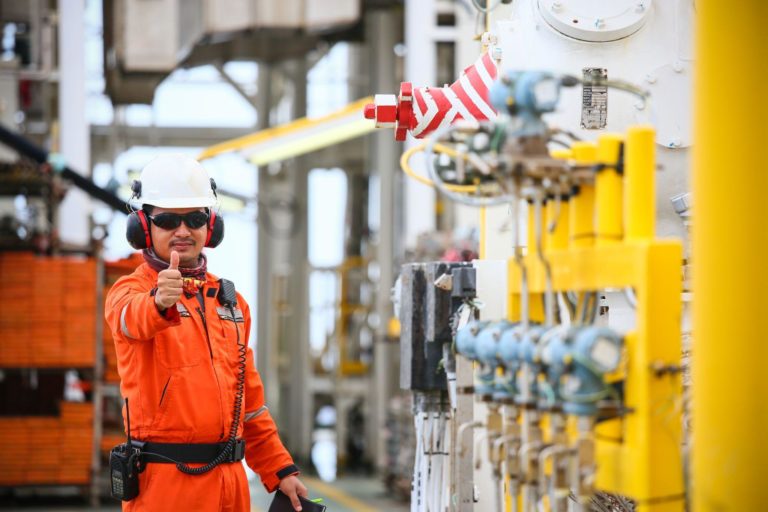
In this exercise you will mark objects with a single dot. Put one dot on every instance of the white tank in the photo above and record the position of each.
(645, 42)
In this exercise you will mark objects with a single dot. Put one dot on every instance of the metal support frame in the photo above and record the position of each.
(383, 33)
(265, 358)
(108, 141)
(283, 304)
(253, 101)
(296, 343)
(98, 376)
(640, 453)
(73, 126)
(463, 483)
(421, 36)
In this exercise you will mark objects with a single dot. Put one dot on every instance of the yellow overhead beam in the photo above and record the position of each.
(298, 137)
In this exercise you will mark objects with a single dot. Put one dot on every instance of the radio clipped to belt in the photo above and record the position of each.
(125, 466)
(127, 460)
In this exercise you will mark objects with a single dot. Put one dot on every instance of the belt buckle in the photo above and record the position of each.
(238, 453)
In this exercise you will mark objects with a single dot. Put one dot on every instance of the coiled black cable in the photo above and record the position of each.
(239, 393)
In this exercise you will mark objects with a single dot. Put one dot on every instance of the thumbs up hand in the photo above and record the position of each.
(169, 284)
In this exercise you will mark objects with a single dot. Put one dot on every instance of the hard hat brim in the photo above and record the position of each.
(182, 202)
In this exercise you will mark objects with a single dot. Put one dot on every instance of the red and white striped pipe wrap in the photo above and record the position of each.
(422, 110)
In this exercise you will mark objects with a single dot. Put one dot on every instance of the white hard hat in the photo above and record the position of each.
(175, 181)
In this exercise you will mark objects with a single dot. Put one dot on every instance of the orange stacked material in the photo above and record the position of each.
(51, 323)
(114, 270)
(15, 327)
(80, 311)
(47, 450)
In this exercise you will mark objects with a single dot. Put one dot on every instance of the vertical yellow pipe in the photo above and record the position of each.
(535, 301)
(730, 243)
(608, 192)
(639, 190)
(546, 211)
(582, 215)
(559, 238)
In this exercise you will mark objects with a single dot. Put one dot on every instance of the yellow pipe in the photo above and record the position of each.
(546, 214)
(292, 131)
(730, 242)
(438, 148)
(608, 192)
(639, 192)
(559, 238)
(582, 215)
(531, 235)
(536, 311)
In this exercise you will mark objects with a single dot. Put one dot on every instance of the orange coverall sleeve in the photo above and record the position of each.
(132, 314)
(264, 452)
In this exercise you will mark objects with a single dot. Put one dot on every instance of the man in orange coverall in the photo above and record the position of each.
(180, 354)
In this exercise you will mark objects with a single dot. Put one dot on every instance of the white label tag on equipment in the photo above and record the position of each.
(594, 99)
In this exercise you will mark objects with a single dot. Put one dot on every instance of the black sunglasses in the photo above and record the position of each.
(193, 220)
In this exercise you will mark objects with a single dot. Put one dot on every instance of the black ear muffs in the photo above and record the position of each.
(139, 234)
(215, 230)
(137, 230)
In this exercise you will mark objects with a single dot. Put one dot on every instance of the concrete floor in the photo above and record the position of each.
(347, 494)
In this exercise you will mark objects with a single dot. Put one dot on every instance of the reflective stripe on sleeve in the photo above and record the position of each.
(123, 326)
(250, 415)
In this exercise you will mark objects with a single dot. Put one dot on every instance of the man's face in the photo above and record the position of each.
(186, 241)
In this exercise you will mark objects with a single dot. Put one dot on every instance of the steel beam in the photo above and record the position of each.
(383, 29)
(160, 136)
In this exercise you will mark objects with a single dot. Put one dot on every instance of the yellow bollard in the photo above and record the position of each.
(608, 192)
(640, 179)
(582, 214)
(730, 242)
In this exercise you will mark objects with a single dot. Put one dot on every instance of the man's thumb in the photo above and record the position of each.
(174, 260)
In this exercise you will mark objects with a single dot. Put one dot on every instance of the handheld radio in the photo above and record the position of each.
(124, 466)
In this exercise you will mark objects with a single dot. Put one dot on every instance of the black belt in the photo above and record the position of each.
(172, 453)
